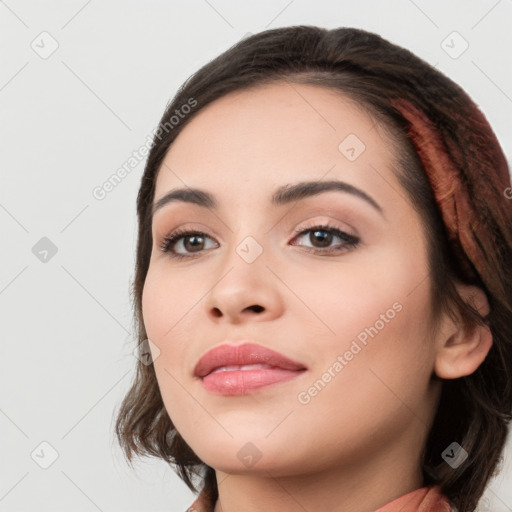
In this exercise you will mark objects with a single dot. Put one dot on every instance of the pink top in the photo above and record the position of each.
(425, 499)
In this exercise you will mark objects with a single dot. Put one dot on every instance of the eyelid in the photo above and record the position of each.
(163, 232)
(330, 223)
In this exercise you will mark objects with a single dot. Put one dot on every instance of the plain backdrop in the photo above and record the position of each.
(82, 85)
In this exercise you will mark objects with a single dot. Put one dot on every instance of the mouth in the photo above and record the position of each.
(241, 369)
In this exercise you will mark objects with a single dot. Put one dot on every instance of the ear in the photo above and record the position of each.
(460, 352)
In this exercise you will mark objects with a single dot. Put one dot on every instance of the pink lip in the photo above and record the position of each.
(239, 382)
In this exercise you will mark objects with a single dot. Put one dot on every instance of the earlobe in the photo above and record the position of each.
(462, 352)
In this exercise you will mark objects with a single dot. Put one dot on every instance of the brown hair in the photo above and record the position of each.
(472, 245)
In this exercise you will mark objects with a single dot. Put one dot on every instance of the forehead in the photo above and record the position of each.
(274, 134)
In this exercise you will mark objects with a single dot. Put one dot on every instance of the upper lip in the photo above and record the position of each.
(247, 353)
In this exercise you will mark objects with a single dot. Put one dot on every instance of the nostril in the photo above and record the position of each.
(256, 308)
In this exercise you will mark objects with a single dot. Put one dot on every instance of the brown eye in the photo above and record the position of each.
(193, 242)
(322, 236)
(189, 242)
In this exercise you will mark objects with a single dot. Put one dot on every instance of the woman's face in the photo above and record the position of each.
(355, 315)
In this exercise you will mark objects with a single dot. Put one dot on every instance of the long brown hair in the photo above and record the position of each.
(392, 85)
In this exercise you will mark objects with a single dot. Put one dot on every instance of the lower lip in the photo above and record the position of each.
(243, 382)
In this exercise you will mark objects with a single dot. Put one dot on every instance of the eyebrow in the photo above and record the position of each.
(283, 195)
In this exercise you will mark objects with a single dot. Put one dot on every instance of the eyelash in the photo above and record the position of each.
(350, 241)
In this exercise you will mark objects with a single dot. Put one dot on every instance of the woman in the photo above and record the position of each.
(323, 282)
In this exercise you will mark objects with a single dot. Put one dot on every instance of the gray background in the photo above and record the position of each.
(70, 119)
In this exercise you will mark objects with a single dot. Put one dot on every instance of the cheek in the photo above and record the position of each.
(374, 315)
(162, 311)
(379, 385)
(153, 306)
(165, 304)
(345, 298)
(170, 303)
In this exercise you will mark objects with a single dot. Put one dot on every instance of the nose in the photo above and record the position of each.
(243, 292)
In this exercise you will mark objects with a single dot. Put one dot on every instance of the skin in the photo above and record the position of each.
(356, 445)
